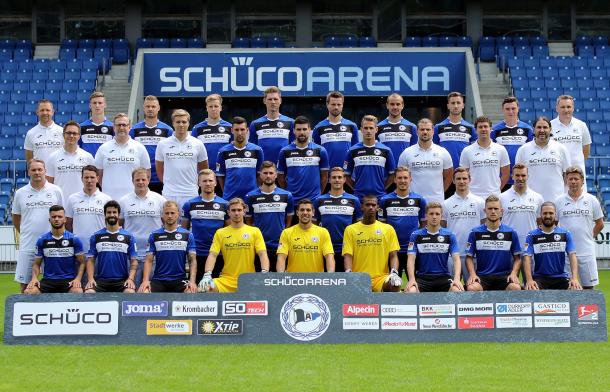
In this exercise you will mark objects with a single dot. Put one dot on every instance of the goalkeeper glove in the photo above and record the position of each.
(394, 278)
(206, 283)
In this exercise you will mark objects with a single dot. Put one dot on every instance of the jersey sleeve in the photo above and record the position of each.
(253, 134)
(447, 161)
(471, 245)
(216, 243)
(390, 163)
(190, 245)
(260, 160)
(202, 153)
(422, 209)
(144, 158)
(402, 159)
(39, 251)
(567, 162)
(78, 246)
(348, 248)
(132, 249)
(464, 159)
(412, 247)
(586, 135)
(528, 249)
(16, 207)
(348, 162)
(515, 247)
(324, 164)
(68, 207)
(519, 155)
(570, 248)
(453, 244)
(283, 244)
(326, 242)
(392, 238)
(290, 205)
(504, 158)
(50, 165)
(99, 158)
(597, 209)
(530, 134)
(357, 210)
(185, 210)
(315, 136)
(474, 136)
(281, 162)
(435, 139)
(92, 247)
(354, 134)
(259, 241)
(151, 244)
(159, 156)
(220, 164)
(60, 196)
(27, 143)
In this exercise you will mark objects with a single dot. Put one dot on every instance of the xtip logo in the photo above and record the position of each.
(242, 60)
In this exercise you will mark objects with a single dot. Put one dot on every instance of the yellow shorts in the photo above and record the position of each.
(226, 284)
(378, 281)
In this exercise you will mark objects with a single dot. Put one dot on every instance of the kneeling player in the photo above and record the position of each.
(59, 250)
(428, 251)
(367, 246)
(238, 243)
(170, 246)
(497, 249)
(548, 246)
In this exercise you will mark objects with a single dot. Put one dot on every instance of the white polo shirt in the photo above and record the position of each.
(462, 214)
(579, 216)
(484, 164)
(546, 166)
(142, 216)
(573, 137)
(33, 206)
(43, 141)
(427, 167)
(118, 161)
(521, 211)
(65, 168)
(87, 213)
(180, 159)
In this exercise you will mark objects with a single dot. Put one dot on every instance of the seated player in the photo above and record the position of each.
(428, 251)
(367, 246)
(170, 246)
(238, 243)
(497, 250)
(305, 245)
(548, 246)
(60, 251)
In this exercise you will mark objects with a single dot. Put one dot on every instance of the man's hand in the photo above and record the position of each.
(574, 285)
(144, 287)
(411, 283)
(130, 284)
(33, 283)
(75, 284)
(531, 285)
(206, 283)
(474, 278)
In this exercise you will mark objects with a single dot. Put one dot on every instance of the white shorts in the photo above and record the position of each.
(180, 199)
(25, 260)
(587, 270)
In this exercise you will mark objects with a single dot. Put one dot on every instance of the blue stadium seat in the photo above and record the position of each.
(65, 106)
(447, 41)
(67, 95)
(81, 107)
(504, 40)
(243, 42)
(550, 72)
(590, 104)
(6, 184)
(195, 43)
(83, 94)
(120, 43)
(54, 84)
(521, 40)
(523, 51)
(6, 153)
(533, 72)
(22, 54)
(530, 61)
(518, 72)
(142, 43)
(603, 149)
(177, 43)
(599, 40)
(6, 141)
(367, 42)
(72, 75)
(21, 182)
(429, 41)
(515, 62)
(540, 51)
(487, 53)
(538, 93)
(564, 61)
(349, 41)
(7, 44)
(602, 51)
(52, 95)
(258, 42)
(15, 106)
(6, 54)
(519, 83)
(536, 83)
(41, 75)
(585, 50)
(84, 53)
(464, 41)
(21, 85)
(598, 72)
(56, 74)
(88, 75)
(582, 72)
(566, 72)
(160, 42)
(86, 43)
(585, 82)
(121, 55)
(548, 61)
(103, 43)
(412, 42)
(582, 40)
(24, 44)
(595, 115)
(87, 84)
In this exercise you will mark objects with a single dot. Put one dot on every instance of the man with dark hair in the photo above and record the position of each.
(45, 137)
(60, 251)
(98, 129)
(112, 260)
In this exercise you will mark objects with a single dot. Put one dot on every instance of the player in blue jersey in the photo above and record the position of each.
(171, 247)
(497, 251)
(369, 165)
(511, 133)
(60, 251)
(547, 246)
(273, 131)
(98, 129)
(150, 132)
(404, 210)
(303, 165)
(428, 250)
(395, 131)
(112, 259)
(270, 208)
(203, 215)
(238, 163)
(335, 133)
(214, 132)
(336, 210)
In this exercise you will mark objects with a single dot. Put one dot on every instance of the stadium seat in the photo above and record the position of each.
(7, 44)
(22, 54)
(582, 72)
(195, 43)
(603, 149)
(585, 50)
(258, 42)
(142, 43)
(504, 40)
(523, 51)
(6, 54)
(540, 50)
(367, 42)
(349, 41)
(178, 43)
(103, 43)
(582, 40)
(6, 184)
(20, 182)
(429, 41)
(86, 43)
(548, 61)
(599, 40)
(464, 41)
(243, 42)
(84, 53)
(536, 83)
(120, 55)
(447, 41)
(412, 42)
(533, 72)
(487, 53)
(160, 42)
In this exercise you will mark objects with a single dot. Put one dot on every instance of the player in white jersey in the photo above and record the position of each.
(488, 161)
(31, 217)
(430, 164)
(141, 212)
(117, 158)
(64, 166)
(85, 209)
(461, 212)
(178, 159)
(580, 213)
(571, 132)
(44, 138)
(546, 160)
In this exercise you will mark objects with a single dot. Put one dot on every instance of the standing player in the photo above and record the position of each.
(273, 131)
(511, 133)
(171, 247)
(429, 249)
(335, 211)
(430, 164)
(488, 162)
(571, 132)
(150, 133)
(303, 165)
(141, 214)
(214, 132)
(395, 131)
(117, 158)
(546, 160)
(369, 246)
(305, 245)
(45, 137)
(581, 214)
(238, 243)
(64, 165)
(404, 211)
(60, 251)
(98, 129)
(178, 159)
(204, 215)
(497, 250)
(270, 208)
(461, 212)
(547, 247)
(369, 165)
(335, 133)
(111, 261)
(238, 163)
(31, 216)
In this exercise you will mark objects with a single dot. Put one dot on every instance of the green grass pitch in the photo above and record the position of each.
(357, 367)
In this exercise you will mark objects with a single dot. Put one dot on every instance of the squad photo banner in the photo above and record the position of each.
(303, 73)
(302, 309)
